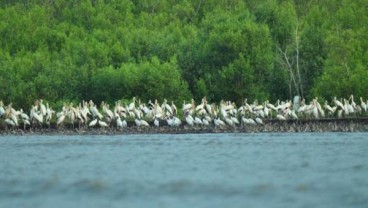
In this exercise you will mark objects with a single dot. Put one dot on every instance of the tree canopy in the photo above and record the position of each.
(107, 50)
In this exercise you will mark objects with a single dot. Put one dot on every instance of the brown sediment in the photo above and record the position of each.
(271, 125)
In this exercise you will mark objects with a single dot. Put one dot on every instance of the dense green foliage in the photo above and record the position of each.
(63, 50)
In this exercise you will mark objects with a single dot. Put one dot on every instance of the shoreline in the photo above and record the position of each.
(270, 125)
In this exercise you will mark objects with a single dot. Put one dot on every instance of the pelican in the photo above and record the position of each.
(229, 121)
(174, 109)
(125, 124)
(218, 122)
(144, 123)
(132, 104)
(49, 113)
(188, 108)
(137, 122)
(338, 103)
(205, 122)
(156, 122)
(198, 121)
(248, 121)
(259, 120)
(108, 112)
(94, 110)
(23, 115)
(2, 110)
(102, 123)
(363, 104)
(9, 122)
(119, 123)
(93, 123)
(189, 119)
(266, 111)
(280, 117)
(35, 116)
(61, 119)
(42, 107)
(176, 121)
(167, 107)
(26, 123)
(331, 110)
(235, 120)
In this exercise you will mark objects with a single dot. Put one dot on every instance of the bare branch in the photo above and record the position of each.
(289, 67)
(297, 58)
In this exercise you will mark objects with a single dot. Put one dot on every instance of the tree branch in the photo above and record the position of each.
(289, 67)
(297, 58)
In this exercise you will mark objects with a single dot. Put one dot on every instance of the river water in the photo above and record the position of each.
(185, 170)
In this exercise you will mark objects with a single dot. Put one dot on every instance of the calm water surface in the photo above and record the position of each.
(189, 170)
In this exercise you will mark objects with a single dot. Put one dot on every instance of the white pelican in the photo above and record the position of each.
(280, 117)
(144, 123)
(259, 120)
(93, 123)
(197, 121)
(218, 122)
(363, 104)
(9, 122)
(2, 110)
(189, 119)
(156, 122)
(248, 121)
(102, 123)
(205, 122)
(119, 123)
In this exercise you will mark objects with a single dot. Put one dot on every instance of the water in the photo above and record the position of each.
(189, 170)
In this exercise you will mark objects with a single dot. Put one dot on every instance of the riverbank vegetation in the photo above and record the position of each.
(107, 50)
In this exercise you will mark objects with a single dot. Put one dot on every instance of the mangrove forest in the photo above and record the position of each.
(107, 50)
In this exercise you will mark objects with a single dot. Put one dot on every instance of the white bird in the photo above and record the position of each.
(188, 107)
(235, 120)
(26, 123)
(363, 104)
(156, 122)
(218, 122)
(23, 115)
(205, 122)
(2, 110)
(248, 121)
(9, 122)
(280, 117)
(197, 121)
(137, 122)
(94, 111)
(61, 119)
(108, 112)
(229, 121)
(170, 121)
(338, 103)
(43, 108)
(119, 122)
(36, 116)
(176, 121)
(125, 124)
(330, 110)
(93, 123)
(102, 123)
(189, 119)
(266, 112)
(132, 104)
(339, 113)
(144, 123)
(259, 120)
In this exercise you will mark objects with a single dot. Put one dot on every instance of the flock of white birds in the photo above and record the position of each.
(226, 113)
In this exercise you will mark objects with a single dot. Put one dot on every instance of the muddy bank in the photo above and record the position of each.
(273, 125)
